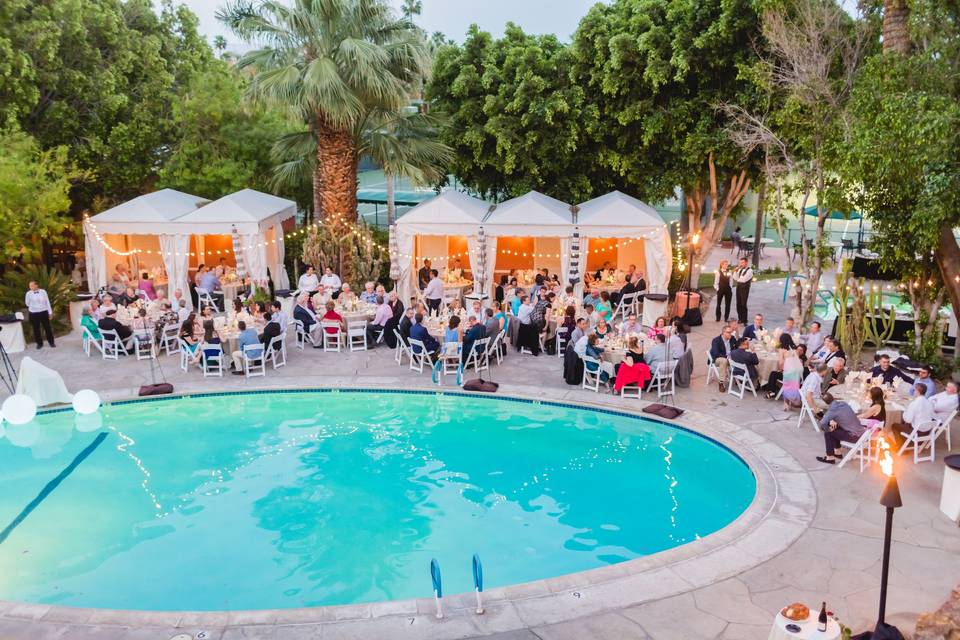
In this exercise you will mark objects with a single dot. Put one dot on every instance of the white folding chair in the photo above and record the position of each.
(591, 379)
(331, 338)
(478, 356)
(632, 390)
(712, 369)
(493, 349)
(87, 339)
(626, 306)
(561, 340)
(806, 411)
(419, 356)
(301, 335)
(946, 430)
(357, 335)
(451, 358)
(401, 349)
(862, 449)
(211, 363)
(205, 299)
(112, 345)
(143, 346)
(740, 380)
(664, 378)
(277, 352)
(922, 442)
(254, 361)
(169, 339)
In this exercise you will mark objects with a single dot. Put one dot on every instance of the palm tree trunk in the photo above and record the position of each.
(896, 34)
(391, 205)
(335, 187)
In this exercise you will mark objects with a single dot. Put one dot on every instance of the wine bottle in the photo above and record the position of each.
(822, 620)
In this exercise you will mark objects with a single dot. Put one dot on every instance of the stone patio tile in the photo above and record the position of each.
(606, 626)
(730, 600)
(675, 618)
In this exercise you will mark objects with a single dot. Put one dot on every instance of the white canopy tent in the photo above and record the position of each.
(431, 224)
(642, 238)
(162, 223)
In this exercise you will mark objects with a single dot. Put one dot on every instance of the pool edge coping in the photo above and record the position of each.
(783, 507)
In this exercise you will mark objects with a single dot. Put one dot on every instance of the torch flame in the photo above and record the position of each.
(886, 459)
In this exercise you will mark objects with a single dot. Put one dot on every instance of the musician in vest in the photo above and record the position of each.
(721, 282)
(743, 276)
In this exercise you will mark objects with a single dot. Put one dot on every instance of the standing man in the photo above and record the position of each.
(423, 276)
(38, 304)
(743, 277)
(433, 292)
(721, 282)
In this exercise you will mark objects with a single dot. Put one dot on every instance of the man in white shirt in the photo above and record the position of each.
(476, 311)
(812, 388)
(814, 339)
(331, 282)
(38, 305)
(579, 331)
(433, 293)
(919, 413)
(630, 326)
(946, 402)
(580, 346)
(278, 315)
(182, 311)
(743, 276)
(309, 281)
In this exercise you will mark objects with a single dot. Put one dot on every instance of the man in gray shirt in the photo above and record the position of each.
(839, 424)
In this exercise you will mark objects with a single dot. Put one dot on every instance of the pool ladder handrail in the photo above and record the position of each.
(437, 580)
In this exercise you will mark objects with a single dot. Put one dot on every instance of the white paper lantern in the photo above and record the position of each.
(19, 409)
(86, 401)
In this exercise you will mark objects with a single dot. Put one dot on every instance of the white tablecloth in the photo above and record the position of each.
(808, 629)
(12, 337)
(42, 384)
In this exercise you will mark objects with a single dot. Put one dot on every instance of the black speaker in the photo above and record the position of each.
(692, 317)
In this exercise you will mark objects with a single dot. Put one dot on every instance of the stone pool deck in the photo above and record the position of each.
(813, 533)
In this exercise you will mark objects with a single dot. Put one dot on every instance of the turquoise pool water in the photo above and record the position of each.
(276, 500)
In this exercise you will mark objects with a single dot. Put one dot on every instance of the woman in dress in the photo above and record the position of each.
(876, 414)
(596, 352)
(602, 330)
(603, 307)
(633, 369)
(793, 370)
(188, 334)
(211, 341)
(453, 333)
(146, 285)
(786, 349)
(660, 326)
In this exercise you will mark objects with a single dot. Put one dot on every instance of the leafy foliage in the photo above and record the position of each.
(326, 245)
(60, 289)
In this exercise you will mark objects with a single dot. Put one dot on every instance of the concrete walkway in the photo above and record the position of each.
(835, 558)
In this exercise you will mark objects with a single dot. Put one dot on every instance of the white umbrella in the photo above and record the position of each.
(238, 254)
(394, 254)
(574, 273)
(480, 272)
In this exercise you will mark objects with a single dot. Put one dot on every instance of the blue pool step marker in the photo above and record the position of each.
(437, 586)
(478, 582)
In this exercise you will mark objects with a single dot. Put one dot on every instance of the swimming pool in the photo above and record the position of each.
(294, 499)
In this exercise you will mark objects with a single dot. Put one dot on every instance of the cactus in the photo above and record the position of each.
(878, 325)
(334, 247)
(850, 304)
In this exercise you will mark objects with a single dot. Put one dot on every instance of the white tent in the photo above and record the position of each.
(431, 224)
(162, 223)
(642, 239)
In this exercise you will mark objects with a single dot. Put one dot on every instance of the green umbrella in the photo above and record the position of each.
(834, 215)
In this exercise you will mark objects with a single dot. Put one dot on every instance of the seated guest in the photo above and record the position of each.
(167, 318)
(146, 285)
(628, 288)
(631, 326)
(142, 327)
(603, 306)
(720, 349)
(790, 328)
(639, 284)
(346, 295)
(270, 330)
(923, 377)
(745, 356)
(476, 311)
(734, 329)
(117, 284)
(455, 307)
(207, 313)
(592, 316)
(493, 325)
(96, 311)
(812, 389)
(396, 306)
(568, 298)
(182, 311)
(381, 319)
(211, 341)
(319, 299)
(332, 316)
(792, 377)
(331, 282)
(501, 291)
(419, 332)
(814, 338)
(918, 414)
(110, 323)
(839, 424)
(475, 331)
(307, 317)
(501, 316)
(188, 334)
(578, 337)
(369, 294)
(248, 336)
(659, 327)
(523, 313)
(677, 340)
(633, 369)
(658, 354)
(309, 281)
(595, 351)
(406, 323)
(601, 330)
(785, 350)
(887, 372)
(592, 298)
(516, 301)
(830, 350)
(946, 402)
(752, 330)
(276, 312)
(127, 297)
(88, 323)
(836, 374)
(211, 283)
(453, 332)
(569, 321)
(875, 415)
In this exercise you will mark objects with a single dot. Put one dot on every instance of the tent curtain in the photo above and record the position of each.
(95, 257)
(255, 257)
(406, 287)
(577, 260)
(176, 259)
(394, 258)
(201, 252)
(658, 252)
(278, 271)
(489, 281)
(477, 269)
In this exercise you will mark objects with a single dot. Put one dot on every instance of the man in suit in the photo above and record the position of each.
(406, 323)
(752, 330)
(110, 323)
(743, 276)
(744, 356)
(627, 289)
(271, 330)
(475, 331)
(419, 332)
(720, 349)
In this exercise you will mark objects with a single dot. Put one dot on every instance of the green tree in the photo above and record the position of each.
(331, 63)
(518, 122)
(411, 8)
(224, 146)
(34, 196)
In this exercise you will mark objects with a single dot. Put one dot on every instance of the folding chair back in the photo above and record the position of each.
(712, 369)
(211, 363)
(87, 339)
(169, 339)
(591, 379)
(277, 352)
(357, 335)
(331, 335)
(664, 378)
(478, 356)
(806, 411)
(740, 380)
(112, 345)
(862, 449)
(206, 300)
(562, 336)
(254, 360)
(419, 356)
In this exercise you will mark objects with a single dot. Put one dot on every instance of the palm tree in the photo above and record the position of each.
(411, 8)
(333, 63)
(896, 33)
(219, 43)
